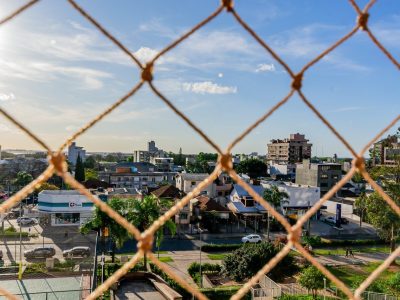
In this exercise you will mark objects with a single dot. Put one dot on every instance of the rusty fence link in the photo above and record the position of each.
(57, 163)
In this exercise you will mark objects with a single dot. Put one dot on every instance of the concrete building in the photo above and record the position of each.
(64, 207)
(322, 175)
(386, 151)
(163, 164)
(290, 150)
(146, 155)
(74, 151)
(139, 175)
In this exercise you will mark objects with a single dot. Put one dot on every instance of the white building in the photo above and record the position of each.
(75, 151)
(186, 182)
(64, 207)
(301, 197)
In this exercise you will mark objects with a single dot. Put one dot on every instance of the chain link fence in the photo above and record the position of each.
(57, 164)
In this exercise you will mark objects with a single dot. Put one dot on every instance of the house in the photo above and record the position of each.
(174, 194)
(186, 182)
(301, 197)
(245, 208)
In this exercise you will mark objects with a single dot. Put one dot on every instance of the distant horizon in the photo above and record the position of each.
(183, 153)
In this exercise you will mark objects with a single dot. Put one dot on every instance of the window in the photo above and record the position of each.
(183, 216)
(323, 184)
(193, 183)
(67, 218)
(324, 176)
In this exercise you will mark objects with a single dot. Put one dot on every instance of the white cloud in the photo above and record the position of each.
(208, 87)
(7, 97)
(265, 68)
(145, 54)
(220, 75)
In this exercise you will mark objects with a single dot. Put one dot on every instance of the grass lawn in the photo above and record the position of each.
(166, 259)
(217, 256)
(351, 274)
(359, 249)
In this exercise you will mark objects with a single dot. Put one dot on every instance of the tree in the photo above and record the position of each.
(46, 186)
(90, 162)
(143, 213)
(312, 279)
(91, 174)
(101, 220)
(246, 261)
(200, 165)
(360, 203)
(382, 216)
(23, 179)
(252, 167)
(276, 198)
(79, 170)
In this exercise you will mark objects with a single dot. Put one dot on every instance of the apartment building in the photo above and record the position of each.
(74, 151)
(322, 175)
(290, 150)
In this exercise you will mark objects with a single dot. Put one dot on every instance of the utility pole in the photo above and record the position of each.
(201, 275)
(20, 243)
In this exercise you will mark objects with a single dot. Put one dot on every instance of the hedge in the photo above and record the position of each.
(223, 293)
(220, 247)
(317, 241)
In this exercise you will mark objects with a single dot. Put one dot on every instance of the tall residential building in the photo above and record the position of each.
(386, 151)
(146, 155)
(322, 175)
(74, 151)
(290, 150)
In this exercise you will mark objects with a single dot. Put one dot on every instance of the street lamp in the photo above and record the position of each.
(324, 288)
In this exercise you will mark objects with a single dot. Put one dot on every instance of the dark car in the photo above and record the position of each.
(40, 252)
(77, 252)
(344, 221)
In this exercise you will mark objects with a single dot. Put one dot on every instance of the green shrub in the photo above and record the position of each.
(223, 293)
(312, 240)
(394, 283)
(250, 258)
(220, 247)
(207, 268)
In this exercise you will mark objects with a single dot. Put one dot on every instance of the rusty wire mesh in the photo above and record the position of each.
(57, 164)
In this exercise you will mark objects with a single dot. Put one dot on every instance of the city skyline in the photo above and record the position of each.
(50, 48)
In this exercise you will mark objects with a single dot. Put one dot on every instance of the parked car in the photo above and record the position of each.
(40, 252)
(26, 221)
(344, 221)
(197, 230)
(329, 220)
(252, 238)
(77, 252)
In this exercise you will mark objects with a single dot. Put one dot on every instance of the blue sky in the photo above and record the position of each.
(57, 72)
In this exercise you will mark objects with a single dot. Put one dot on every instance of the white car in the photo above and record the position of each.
(26, 221)
(252, 238)
(329, 220)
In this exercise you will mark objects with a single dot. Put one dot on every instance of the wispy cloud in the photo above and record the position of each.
(7, 97)
(208, 87)
(265, 68)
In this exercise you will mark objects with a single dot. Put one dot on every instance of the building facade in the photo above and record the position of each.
(322, 175)
(74, 151)
(64, 207)
(290, 150)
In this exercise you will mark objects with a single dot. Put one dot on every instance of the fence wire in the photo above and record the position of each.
(57, 164)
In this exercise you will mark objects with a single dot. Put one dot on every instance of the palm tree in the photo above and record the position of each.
(101, 221)
(146, 211)
(276, 198)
